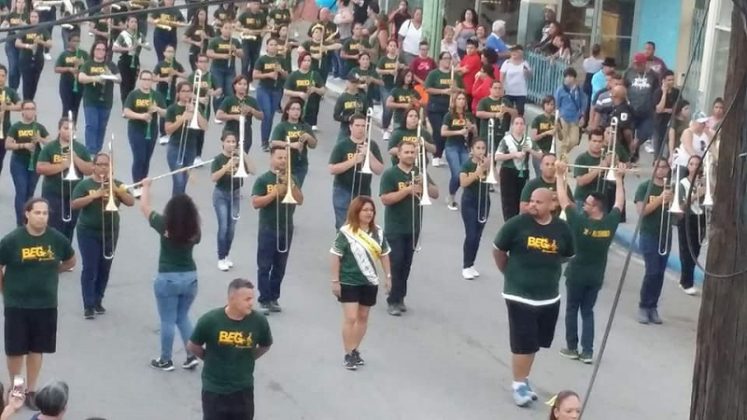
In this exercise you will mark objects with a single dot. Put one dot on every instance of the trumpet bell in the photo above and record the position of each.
(426, 199)
(676, 208)
(71, 175)
(241, 169)
(111, 206)
(289, 199)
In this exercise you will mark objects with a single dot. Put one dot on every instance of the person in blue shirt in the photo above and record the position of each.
(599, 81)
(495, 41)
(570, 101)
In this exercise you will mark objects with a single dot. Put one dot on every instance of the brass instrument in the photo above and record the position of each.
(366, 166)
(422, 177)
(613, 150)
(288, 199)
(35, 153)
(3, 102)
(482, 210)
(111, 205)
(168, 174)
(239, 167)
(604, 168)
(665, 223)
(67, 210)
(193, 124)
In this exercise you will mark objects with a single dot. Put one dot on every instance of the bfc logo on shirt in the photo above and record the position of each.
(351, 105)
(546, 126)
(403, 99)
(401, 186)
(410, 139)
(98, 69)
(542, 244)
(37, 253)
(602, 234)
(142, 103)
(27, 133)
(235, 339)
(271, 67)
(303, 83)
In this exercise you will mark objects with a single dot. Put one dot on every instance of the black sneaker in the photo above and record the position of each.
(100, 310)
(164, 365)
(264, 308)
(393, 310)
(357, 358)
(265, 148)
(349, 362)
(275, 306)
(402, 306)
(30, 401)
(190, 363)
(88, 313)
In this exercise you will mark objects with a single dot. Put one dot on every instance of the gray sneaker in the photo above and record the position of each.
(275, 306)
(402, 306)
(642, 316)
(394, 310)
(586, 357)
(653, 316)
(569, 353)
(264, 308)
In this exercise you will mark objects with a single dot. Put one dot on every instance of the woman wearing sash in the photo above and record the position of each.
(128, 47)
(514, 151)
(358, 246)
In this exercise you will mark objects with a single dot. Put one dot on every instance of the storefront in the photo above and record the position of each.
(715, 52)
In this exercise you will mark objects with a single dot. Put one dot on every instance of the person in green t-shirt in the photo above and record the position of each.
(31, 258)
(166, 23)
(166, 73)
(458, 128)
(31, 49)
(400, 191)
(208, 91)
(388, 68)
(175, 287)
(129, 45)
(142, 108)
(276, 194)
(514, 151)
(351, 101)
(197, 35)
(181, 150)
(9, 101)
(593, 232)
(498, 108)
(308, 85)
(346, 164)
(98, 230)
(25, 138)
(651, 199)
(442, 84)
(589, 180)
(252, 22)
(543, 131)
(321, 50)
(529, 250)
(359, 244)
(55, 162)
(229, 340)
(295, 134)
(353, 47)
(67, 65)
(286, 45)
(475, 206)
(408, 132)
(369, 80)
(545, 179)
(271, 75)
(223, 50)
(402, 97)
(233, 107)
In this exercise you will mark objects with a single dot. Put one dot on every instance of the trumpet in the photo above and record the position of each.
(110, 207)
(239, 168)
(67, 211)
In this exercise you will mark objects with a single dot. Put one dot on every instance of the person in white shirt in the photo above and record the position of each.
(514, 73)
(448, 44)
(410, 35)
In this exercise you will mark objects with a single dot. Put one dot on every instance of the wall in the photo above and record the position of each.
(659, 21)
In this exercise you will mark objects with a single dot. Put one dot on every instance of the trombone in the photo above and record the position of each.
(3, 102)
(482, 215)
(67, 210)
(425, 200)
(366, 167)
(707, 204)
(193, 123)
(240, 169)
(111, 206)
(665, 228)
(611, 172)
(288, 199)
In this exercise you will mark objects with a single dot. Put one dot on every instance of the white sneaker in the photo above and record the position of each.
(467, 274)
(648, 146)
(222, 266)
(451, 204)
(252, 88)
(474, 272)
(692, 291)
(387, 134)
(436, 162)
(137, 192)
(163, 140)
(217, 121)
(314, 128)
(228, 262)
(197, 161)
(47, 56)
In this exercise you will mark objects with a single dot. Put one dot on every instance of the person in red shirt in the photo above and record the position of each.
(420, 67)
(481, 88)
(469, 66)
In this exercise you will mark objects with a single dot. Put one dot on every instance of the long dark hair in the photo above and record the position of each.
(287, 108)
(182, 220)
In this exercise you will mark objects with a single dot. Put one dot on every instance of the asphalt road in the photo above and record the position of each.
(448, 358)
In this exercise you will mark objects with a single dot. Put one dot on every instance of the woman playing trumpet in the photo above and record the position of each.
(182, 139)
(306, 84)
(691, 228)
(97, 76)
(297, 135)
(167, 73)
(240, 103)
(408, 132)
(458, 128)
(514, 151)
(475, 206)
(98, 230)
(55, 161)
(31, 56)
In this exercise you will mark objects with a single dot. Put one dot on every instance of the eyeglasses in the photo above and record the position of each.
(146, 79)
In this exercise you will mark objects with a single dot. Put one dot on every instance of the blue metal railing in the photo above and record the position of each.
(547, 75)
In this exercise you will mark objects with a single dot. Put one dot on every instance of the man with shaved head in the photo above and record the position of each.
(529, 250)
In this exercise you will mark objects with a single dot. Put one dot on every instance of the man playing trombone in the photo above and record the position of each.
(183, 123)
(60, 161)
(347, 163)
(546, 179)
(276, 195)
(402, 192)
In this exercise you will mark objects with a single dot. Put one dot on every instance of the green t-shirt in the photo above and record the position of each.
(350, 271)
(139, 102)
(583, 191)
(10, 96)
(168, 16)
(224, 183)
(27, 56)
(438, 79)
(519, 144)
(190, 137)
(456, 123)
(31, 267)
(348, 104)
(402, 95)
(346, 150)
(293, 132)
(281, 17)
(592, 239)
(501, 125)
(354, 47)
(123, 40)
(24, 133)
(222, 46)
(535, 256)
(54, 153)
(544, 123)
(269, 216)
(173, 257)
(407, 135)
(476, 187)
(539, 182)
(386, 63)
(90, 218)
(67, 59)
(232, 106)
(97, 94)
(167, 90)
(268, 64)
(207, 82)
(398, 217)
(651, 223)
(300, 82)
(314, 49)
(229, 349)
(250, 20)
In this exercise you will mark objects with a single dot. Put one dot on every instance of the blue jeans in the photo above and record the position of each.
(226, 223)
(386, 118)
(179, 185)
(161, 39)
(223, 80)
(96, 120)
(24, 181)
(341, 198)
(269, 100)
(251, 51)
(271, 262)
(471, 216)
(300, 172)
(338, 64)
(436, 119)
(96, 268)
(70, 100)
(456, 155)
(175, 293)
(56, 209)
(14, 72)
(656, 265)
(583, 298)
(142, 151)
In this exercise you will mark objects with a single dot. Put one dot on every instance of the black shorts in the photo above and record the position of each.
(362, 295)
(237, 405)
(531, 327)
(30, 331)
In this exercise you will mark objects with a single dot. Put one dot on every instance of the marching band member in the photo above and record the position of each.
(691, 227)
(227, 194)
(388, 67)
(279, 16)
(31, 47)
(651, 240)
(285, 47)
(589, 180)
(167, 73)
(25, 138)
(54, 163)
(223, 50)
(175, 287)
(197, 35)
(593, 231)
(345, 163)
(275, 232)
(233, 107)
(252, 24)
(545, 179)
(67, 66)
(497, 107)
(225, 12)
(307, 85)
(103, 28)
(475, 206)
(368, 78)
(17, 17)
(9, 101)
(543, 131)
(321, 50)
(514, 151)
(458, 128)
(408, 132)
(400, 190)
(98, 93)
(297, 135)
(529, 250)
(98, 231)
(142, 20)
(401, 98)
(181, 149)
(271, 75)
(441, 87)
(208, 91)
(351, 101)
(359, 244)
(166, 23)
(353, 47)
(128, 45)
(142, 127)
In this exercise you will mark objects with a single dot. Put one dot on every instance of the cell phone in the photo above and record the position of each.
(19, 384)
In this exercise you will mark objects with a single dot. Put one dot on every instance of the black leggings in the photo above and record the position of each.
(30, 73)
(511, 186)
(129, 76)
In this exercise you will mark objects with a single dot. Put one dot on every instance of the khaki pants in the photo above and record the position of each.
(570, 135)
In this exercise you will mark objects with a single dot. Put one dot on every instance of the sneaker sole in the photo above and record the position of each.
(191, 366)
(569, 356)
(353, 367)
(586, 361)
(168, 369)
